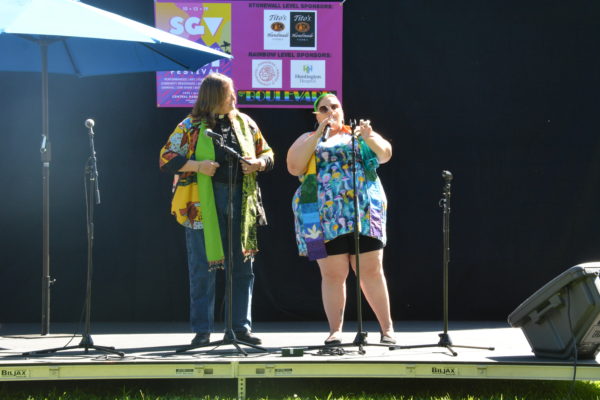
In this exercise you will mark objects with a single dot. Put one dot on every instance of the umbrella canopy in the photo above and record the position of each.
(70, 37)
(85, 40)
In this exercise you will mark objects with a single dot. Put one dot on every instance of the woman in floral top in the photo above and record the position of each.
(323, 209)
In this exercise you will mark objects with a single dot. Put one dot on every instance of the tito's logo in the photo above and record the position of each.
(277, 26)
(302, 27)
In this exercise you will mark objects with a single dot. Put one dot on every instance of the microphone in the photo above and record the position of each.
(93, 167)
(326, 132)
(214, 135)
(447, 175)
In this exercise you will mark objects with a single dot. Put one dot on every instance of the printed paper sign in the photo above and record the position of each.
(286, 53)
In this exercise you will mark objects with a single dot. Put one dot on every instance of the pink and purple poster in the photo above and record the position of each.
(286, 53)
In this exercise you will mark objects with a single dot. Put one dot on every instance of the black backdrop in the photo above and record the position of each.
(503, 94)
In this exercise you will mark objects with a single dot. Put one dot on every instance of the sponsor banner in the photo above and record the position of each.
(284, 52)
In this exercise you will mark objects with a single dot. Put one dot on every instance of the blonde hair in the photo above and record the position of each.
(210, 97)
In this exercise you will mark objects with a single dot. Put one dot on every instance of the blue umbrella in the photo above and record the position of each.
(70, 37)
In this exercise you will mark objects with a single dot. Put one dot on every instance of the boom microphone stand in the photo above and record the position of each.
(445, 340)
(92, 194)
(360, 340)
(229, 337)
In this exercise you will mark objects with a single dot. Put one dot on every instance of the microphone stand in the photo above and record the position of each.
(92, 194)
(445, 340)
(360, 340)
(229, 337)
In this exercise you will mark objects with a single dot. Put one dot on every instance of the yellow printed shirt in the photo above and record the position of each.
(181, 147)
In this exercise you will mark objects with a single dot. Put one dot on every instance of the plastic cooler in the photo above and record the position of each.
(563, 315)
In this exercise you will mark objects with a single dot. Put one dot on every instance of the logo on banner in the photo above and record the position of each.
(303, 34)
(277, 33)
(266, 73)
(307, 74)
(290, 30)
(277, 26)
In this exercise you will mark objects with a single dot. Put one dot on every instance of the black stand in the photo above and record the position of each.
(445, 340)
(92, 193)
(229, 337)
(46, 155)
(360, 340)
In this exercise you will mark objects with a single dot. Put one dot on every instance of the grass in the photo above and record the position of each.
(303, 389)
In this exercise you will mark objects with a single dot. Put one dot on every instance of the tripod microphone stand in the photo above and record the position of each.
(229, 337)
(92, 194)
(445, 340)
(360, 340)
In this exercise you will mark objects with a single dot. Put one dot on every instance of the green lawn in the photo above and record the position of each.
(308, 389)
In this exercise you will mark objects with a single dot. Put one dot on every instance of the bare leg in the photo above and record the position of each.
(334, 271)
(374, 286)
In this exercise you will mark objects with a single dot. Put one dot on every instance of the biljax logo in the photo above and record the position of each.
(444, 371)
(14, 373)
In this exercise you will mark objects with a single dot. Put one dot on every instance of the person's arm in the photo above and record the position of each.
(381, 147)
(206, 167)
(173, 155)
(265, 157)
(302, 149)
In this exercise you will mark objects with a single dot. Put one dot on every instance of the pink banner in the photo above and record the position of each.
(286, 53)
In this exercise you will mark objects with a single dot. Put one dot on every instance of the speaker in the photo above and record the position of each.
(562, 319)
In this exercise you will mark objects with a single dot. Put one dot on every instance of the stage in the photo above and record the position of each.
(150, 354)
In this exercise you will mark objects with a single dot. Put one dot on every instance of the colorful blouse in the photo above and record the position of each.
(181, 147)
(335, 196)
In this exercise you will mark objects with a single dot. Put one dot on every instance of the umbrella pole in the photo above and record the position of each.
(45, 155)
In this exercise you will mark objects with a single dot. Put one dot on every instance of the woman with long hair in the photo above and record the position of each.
(200, 202)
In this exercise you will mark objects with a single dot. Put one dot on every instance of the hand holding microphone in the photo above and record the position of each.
(324, 129)
(326, 132)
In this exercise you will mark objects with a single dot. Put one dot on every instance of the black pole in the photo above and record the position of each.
(46, 158)
(361, 335)
(229, 334)
(445, 205)
(92, 195)
(445, 340)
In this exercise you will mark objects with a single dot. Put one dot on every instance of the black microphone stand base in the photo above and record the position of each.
(360, 341)
(444, 342)
(86, 344)
(228, 338)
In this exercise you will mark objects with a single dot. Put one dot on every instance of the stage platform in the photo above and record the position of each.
(150, 353)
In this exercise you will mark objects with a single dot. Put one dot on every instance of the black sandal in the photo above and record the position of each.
(332, 341)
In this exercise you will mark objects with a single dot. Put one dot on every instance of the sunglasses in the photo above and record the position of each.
(326, 109)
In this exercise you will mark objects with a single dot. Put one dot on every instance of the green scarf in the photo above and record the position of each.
(205, 150)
